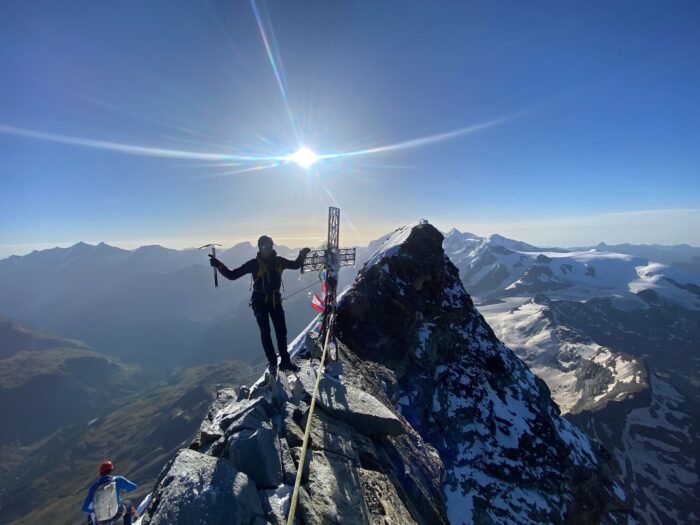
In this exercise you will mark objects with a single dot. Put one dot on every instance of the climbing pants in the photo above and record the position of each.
(263, 313)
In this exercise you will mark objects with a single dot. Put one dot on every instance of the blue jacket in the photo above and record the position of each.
(122, 484)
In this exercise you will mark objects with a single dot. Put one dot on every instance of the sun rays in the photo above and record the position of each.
(197, 145)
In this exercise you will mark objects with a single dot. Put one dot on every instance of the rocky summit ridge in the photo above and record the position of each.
(423, 416)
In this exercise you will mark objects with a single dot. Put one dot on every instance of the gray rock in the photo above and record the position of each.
(275, 503)
(383, 501)
(257, 454)
(200, 489)
(350, 404)
(243, 393)
(289, 468)
(332, 495)
(331, 435)
(293, 430)
(247, 414)
(209, 430)
(215, 448)
(296, 454)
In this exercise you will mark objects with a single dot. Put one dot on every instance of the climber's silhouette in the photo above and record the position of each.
(266, 270)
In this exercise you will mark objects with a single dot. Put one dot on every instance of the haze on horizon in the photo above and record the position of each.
(156, 123)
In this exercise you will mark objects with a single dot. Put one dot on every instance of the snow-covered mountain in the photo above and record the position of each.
(581, 374)
(495, 267)
(602, 328)
(654, 438)
(425, 417)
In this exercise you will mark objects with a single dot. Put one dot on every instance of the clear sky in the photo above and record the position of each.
(130, 121)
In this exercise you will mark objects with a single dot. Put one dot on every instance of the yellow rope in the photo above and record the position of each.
(300, 469)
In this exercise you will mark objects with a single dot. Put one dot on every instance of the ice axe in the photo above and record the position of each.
(213, 254)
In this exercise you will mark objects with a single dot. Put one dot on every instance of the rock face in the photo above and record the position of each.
(204, 489)
(508, 454)
(422, 417)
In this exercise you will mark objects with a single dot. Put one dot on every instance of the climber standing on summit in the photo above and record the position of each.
(266, 271)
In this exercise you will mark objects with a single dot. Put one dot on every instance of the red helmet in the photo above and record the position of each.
(106, 467)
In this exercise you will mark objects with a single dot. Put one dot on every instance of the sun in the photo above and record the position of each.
(304, 157)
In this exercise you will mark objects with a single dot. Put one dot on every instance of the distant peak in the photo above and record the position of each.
(79, 247)
(454, 233)
(150, 247)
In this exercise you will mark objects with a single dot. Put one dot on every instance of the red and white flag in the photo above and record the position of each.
(318, 303)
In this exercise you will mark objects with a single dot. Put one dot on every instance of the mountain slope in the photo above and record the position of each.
(491, 420)
(47, 481)
(62, 379)
(16, 337)
(424, 418)
(607, 331)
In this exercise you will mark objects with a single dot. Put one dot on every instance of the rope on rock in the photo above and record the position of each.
(307, 431)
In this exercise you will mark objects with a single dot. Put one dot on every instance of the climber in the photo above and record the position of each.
(103, 503)
(130, 515)
(266, 271)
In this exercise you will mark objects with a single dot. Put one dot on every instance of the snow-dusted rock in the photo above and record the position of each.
(200, 489)
(508, 454)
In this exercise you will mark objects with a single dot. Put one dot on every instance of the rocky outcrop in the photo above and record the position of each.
(364, 463)
(423, 416)
(508, 454)
(204, 489)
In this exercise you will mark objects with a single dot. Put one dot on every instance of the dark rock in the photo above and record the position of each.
(256, 453)
(289, 468)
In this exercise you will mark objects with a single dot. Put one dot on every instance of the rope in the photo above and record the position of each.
(300, 469)
(299, 291)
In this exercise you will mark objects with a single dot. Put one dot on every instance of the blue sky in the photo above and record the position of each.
(592, 132)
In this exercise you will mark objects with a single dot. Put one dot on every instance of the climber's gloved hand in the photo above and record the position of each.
(213, 261)
(304, 251)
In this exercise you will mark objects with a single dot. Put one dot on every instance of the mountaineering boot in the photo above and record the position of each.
(272, 369)
(288, 366)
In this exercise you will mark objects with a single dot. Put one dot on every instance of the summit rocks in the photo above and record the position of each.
(423, 416)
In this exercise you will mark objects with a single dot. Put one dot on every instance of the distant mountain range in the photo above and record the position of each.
(612, 332)
(615, 336)
(152, 305)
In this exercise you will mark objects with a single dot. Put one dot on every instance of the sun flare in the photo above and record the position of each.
(304, 157)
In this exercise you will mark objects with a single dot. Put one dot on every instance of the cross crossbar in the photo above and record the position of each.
(332, 257)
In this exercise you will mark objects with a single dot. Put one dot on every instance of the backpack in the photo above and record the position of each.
(105, 502)
(267, 281)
